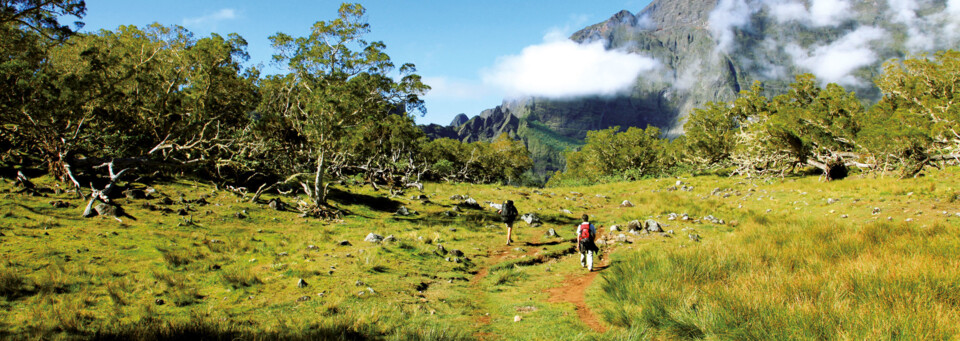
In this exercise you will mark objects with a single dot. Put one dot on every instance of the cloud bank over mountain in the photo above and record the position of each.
(561, 68)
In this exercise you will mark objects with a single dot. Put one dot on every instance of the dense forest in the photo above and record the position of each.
(167, 103)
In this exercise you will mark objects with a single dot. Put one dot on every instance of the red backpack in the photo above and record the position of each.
(585, 231)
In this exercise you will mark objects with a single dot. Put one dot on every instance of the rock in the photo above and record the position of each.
(448, 259)
(404, 211)
(456, 253)
(615, 228)
(150, 192)
(670, 231)
(844, 216)
(566, 211)
(159, 301)
(517, 318)
(301, 283)
(672, 216)
(694, 237)
(344, 243)
(373, 238)
(359, 283)
(471, 203)
(626, 203)
(457, 260)
(303, 299)
(831, 200)
(685, 217)
(419, 197)
(450, 214)
(282, 254)
(679, 183)
(182, 211)
(453, 229)
(60, 204)
(312, 247)
(441, 250)
(165, 201)
(239, 215)
(622, 238)
(652, 226)
(633, 225)
(531, 219)
(552, 233)
(277, 204)
(458, 197)
(876, 210)
(108, 210)
(496, 206)
(135, 194)
(390, 239)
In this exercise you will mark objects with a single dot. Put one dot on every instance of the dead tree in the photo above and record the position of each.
(104, 193)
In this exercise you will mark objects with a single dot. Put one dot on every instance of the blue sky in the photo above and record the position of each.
(453, 43)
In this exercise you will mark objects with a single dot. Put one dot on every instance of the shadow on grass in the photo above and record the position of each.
(376, 203)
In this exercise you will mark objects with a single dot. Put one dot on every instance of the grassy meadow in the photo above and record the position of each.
(795, 258)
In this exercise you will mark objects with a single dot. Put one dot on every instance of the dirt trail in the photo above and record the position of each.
(574, 291)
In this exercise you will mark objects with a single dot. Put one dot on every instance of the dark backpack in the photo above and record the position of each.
(508, 211)
(585, 231)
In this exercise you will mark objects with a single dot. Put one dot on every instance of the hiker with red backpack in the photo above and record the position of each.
(586, 233)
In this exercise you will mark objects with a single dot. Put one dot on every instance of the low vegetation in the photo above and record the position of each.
(865, 257)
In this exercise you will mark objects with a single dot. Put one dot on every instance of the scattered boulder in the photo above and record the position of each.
(622, 238)
(441, 250)
(135, 194)
(832, 200)
(159, 301)
(652, 226)
(303, 299)
(277, 204)
(165, 201)
(626, 203)
(672, 216)
(182, 211)
(566, 211)
(60, 204)
(633, 225)
(450, 214)
(615, 228)
(876, 210)
(694, 237)
(373, 238)
(552, 233)
(458, 197)
(712, 219)
(456, 253)
(108, 210)
(496, 206)
(420, 197)
(470, 203)
(301, 283)
(685, 217)
(239, 215)
(312, 247)
(531, 219)
(404, 211)
(390, 239)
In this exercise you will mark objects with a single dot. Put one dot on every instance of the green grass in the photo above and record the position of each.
(800, 270)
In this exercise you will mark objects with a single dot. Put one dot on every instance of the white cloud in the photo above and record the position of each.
(561, 68)
(728, 14)
(820, 13)
(835, 63)
(212, 18)
(450, 88)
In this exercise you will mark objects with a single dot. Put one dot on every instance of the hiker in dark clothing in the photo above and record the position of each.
(508, 213)
(586, 233)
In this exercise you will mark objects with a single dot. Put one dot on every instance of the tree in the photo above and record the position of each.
(808, 126)
(338, 84)
(627, 155)
(917, 121)
(710, 133)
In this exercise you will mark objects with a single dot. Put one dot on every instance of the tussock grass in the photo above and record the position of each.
(799, 276)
